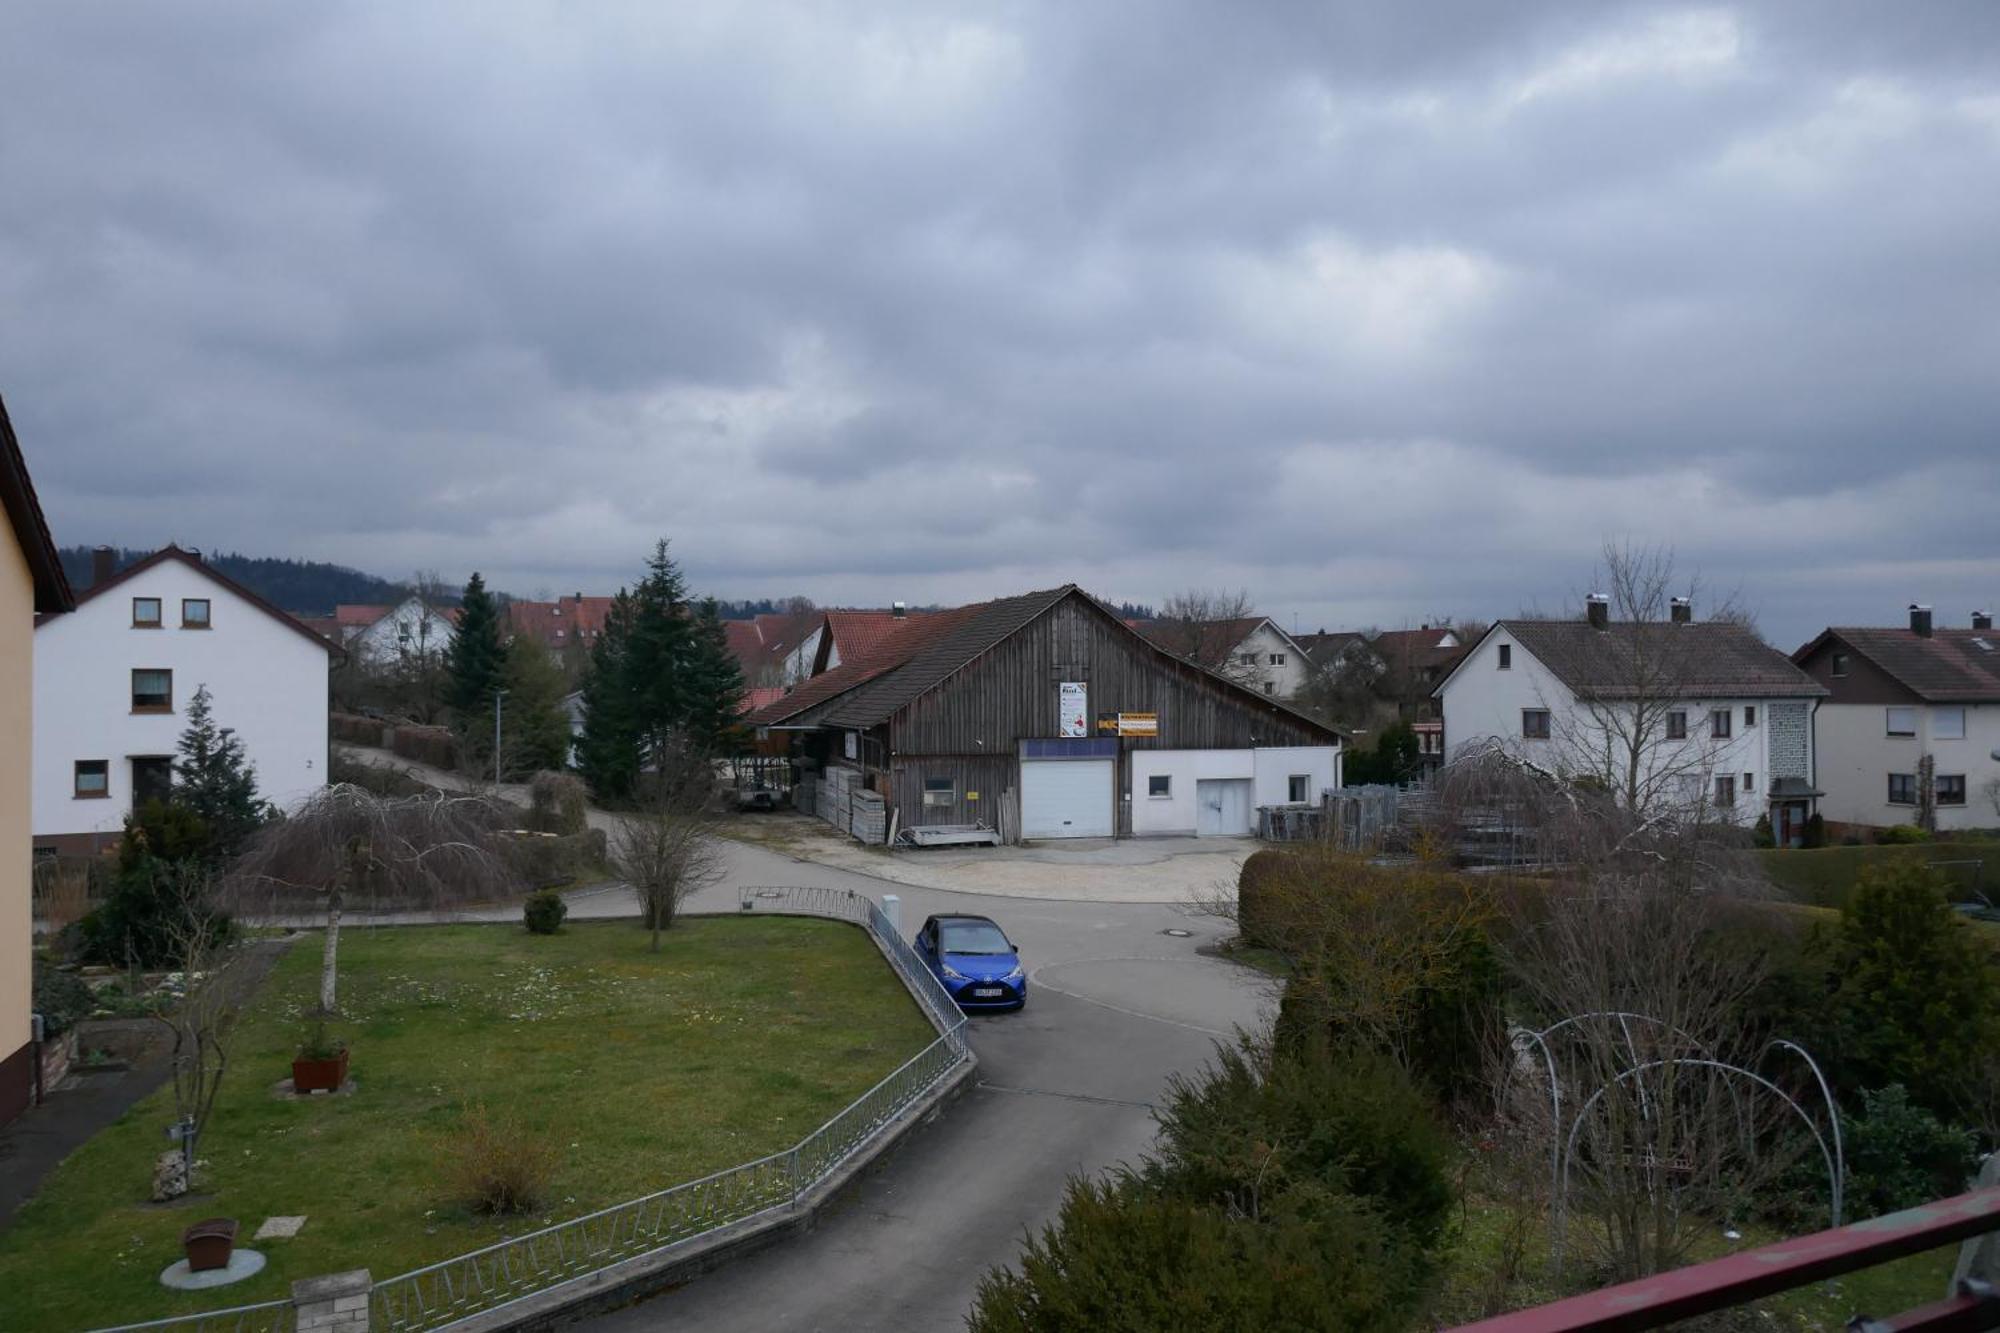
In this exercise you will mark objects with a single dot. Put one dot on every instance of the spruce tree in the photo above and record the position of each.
(714, 686)
(214, 781)
(476, 663)
(537, 724)
(659, 651)
(608, 749)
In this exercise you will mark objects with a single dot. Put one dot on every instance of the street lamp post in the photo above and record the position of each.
(498, 695)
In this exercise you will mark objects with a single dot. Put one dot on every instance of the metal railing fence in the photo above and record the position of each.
(440, 1294)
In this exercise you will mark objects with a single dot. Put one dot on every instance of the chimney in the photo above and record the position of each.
(103, 564)
(195, 552)
(899, 609)
(1982, 620)
(1597, 609)
(1920, 620)
(1682, 611)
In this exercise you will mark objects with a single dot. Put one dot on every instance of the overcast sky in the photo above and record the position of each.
(1381, 311)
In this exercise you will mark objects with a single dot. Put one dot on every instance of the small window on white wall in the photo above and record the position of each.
(1947, 724)
(1160, 784)
(1299, 788)
(1902, 721)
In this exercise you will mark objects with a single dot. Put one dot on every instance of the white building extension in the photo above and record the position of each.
(412, 631)
(1702, 717)
(112, 682)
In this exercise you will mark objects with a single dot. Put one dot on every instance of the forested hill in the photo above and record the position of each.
(309, 587)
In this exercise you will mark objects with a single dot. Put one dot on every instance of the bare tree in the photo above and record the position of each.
(667, 849)
(1203, 626)
(197, 1020)
(1631, 728)
(425, 852)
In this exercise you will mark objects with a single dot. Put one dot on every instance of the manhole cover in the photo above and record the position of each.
(1178, 933)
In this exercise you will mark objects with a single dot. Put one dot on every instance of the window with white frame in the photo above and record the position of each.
(940, 791)
(1901, 721)
(1298, 788)
(1277, 659)
(1159, 785)
(1947, 724)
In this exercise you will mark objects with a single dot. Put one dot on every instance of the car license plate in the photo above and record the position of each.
(988, 992)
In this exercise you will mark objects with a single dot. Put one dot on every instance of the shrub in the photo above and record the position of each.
(147, 902)
(355, 729)
(1254, 883)
(1815, 832)
(1262, 1124)
(1899, 1155)
(1761, 835)
(319, 1044)
(380, 779)
(426, 745)
(495, 1165)
(557, 803)
(543, 913)
(1898, 834)
(1913, 989)
(546, 860)
(1119, 1259)
(61, 998)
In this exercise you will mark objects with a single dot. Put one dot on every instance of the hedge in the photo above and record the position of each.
(1825, 876)
(357, 730)
(435, 746)
(547, 859)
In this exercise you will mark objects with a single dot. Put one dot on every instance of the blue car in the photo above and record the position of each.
(975, 961)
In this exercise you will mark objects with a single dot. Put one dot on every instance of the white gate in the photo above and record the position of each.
(1222, 808)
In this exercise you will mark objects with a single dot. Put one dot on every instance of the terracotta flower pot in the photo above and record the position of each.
(319, 1075)
(208, 1244)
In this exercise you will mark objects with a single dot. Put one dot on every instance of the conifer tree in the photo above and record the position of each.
(714, 687)
(537, 735)
(215, 781)
(659, 650)
(476, 663)
(608, 751)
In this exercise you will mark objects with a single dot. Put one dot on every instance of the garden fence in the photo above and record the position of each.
(439, 1295)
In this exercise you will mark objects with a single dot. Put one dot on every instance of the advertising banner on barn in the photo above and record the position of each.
(1073, 702)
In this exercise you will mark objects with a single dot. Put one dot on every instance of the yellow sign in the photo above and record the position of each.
(1138, 724)
(972, 796)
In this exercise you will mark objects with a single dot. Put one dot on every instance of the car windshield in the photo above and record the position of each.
(974, 937)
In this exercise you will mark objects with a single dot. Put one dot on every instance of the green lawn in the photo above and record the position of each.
(741, 1036)
(1825, 876)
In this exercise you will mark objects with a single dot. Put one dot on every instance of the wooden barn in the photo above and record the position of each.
(1046, 716)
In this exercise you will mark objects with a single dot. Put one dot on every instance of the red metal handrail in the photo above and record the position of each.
(1720, 1283)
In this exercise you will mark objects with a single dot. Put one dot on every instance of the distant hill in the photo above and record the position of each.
(308, 587)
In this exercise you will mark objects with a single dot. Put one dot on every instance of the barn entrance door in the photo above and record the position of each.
(1222, 808)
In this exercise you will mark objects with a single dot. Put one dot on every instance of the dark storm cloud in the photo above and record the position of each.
(1379, 311)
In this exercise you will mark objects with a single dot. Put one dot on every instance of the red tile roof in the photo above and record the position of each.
(895, 645)
(863, 633)
(355, 616)
(577, 617)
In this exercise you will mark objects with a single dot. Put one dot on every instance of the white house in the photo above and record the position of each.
(113, 678)
(411, 631)
(1678, 714)
(1253, 651)
(1899, 697)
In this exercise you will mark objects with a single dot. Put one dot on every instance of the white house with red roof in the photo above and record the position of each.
(113, 678)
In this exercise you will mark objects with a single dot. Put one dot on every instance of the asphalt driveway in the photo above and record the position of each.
(1115, 1006)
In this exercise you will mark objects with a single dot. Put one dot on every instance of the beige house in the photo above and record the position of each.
(31, 583)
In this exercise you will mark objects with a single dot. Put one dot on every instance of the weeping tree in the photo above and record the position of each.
(346, 845)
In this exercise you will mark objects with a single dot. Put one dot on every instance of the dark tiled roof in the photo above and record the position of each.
(968, 632)
(193, 561)
(1627, 660)
(31, 532)
(1950, 666)
(888, 652)
(1326, 645)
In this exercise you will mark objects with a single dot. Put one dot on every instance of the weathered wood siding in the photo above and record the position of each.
(988, 775)
(1011, 693)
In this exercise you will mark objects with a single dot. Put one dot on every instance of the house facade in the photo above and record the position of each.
(1910, 729)
(1704, 718)
(412, 631)
(1253, 651)
(31, 585)
(1046, 716)
(113, 677)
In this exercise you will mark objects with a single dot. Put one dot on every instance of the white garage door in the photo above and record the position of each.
(1222, 808)
(1066, 798)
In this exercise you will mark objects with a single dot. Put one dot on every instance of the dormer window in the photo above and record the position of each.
(145, 613)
